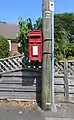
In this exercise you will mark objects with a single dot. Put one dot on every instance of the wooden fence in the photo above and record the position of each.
(21, 84)
(64, 81)
(14, 72)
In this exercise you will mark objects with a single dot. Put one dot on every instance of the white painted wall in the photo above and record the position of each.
(9, 45)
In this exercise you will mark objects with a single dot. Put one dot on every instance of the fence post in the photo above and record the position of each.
(66, 90)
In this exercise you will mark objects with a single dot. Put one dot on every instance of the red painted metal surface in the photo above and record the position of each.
(35, 45)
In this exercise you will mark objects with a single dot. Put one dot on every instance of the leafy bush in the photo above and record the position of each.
(4, 47)
(71, 58)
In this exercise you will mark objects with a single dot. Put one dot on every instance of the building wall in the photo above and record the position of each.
(14, 46)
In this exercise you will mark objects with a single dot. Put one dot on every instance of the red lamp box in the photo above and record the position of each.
(35, 45)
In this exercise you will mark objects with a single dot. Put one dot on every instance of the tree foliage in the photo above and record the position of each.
(22, 35)
(64, 23)
(64, 33)
(4, 47)
(61, 44)
(25, 26)
(38, 24)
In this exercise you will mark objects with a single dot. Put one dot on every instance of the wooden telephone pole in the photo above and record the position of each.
(47, 53)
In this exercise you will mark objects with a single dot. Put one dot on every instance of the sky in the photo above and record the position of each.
(10, 10)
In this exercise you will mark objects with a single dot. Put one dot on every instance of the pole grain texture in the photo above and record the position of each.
(47, 53)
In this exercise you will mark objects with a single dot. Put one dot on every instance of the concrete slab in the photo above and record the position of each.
(9, 113)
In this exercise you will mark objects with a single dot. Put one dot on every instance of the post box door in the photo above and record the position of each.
(35, 52)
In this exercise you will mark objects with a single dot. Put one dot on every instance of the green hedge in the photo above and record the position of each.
(4, 47)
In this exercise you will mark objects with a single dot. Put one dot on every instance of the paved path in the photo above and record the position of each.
(21, 114)
(59, 118)
(62, 112)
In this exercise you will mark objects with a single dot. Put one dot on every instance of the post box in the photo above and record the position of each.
(35, 45)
